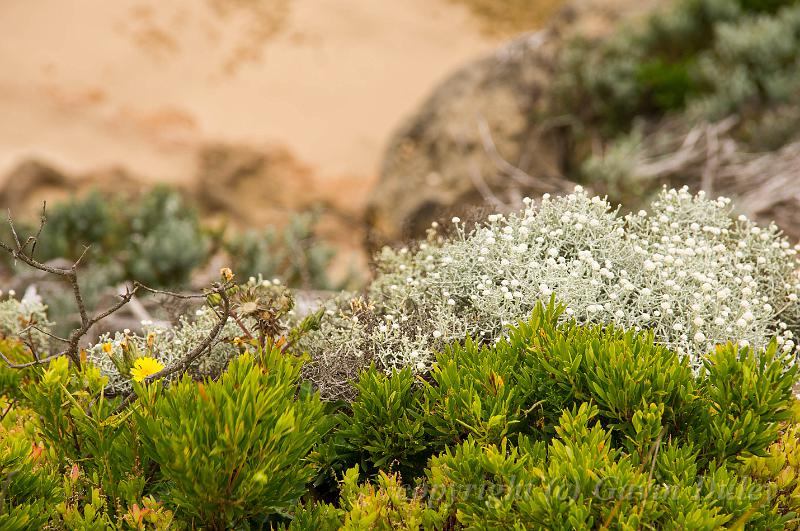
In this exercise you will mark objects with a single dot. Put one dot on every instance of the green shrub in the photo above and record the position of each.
(78, 426)
(382, 505)
(710, 56)
(383, 429)
(748, 395)
(733, 406)
(321, 516)
(78, 222)
(620, 372)
(297, 254)
(234, 448)
(580, 480)
(30, 490)
(779, 471)
(476, 392)
(664, 450)
(667, 85)
(156, 239)
(163, 241)
(558, 424)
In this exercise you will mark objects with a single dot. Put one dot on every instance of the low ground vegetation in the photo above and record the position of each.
(559, 406)
(703, 92)
(558, 425)
(159, 240)
(568, 366)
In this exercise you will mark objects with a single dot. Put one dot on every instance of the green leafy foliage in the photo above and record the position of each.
(78, 222)
(580, 480)
(234, 448)
(165, 240)
(484, 407)
(29, 487)
(609, 428)
(779, 470)
(156, 239)
(476, 392)
(382, 505)
(557, 425)
(746, 399)
(78, 426)
(383, 429)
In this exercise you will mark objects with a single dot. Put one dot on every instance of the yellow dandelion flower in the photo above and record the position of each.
(144, 367)
(107, 348)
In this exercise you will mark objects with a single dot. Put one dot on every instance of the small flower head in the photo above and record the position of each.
(226, 274)
(144, 367)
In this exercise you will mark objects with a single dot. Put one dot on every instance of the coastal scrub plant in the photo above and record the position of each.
(116, 354)
(236, 447)
(24, 320)
(687, 270)
(261, 309)
(708, 58)
(570, 426)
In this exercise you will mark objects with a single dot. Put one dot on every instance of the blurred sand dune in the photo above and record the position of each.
(141, 84)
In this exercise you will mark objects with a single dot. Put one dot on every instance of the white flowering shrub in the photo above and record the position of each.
(687, 270)
(25, 320)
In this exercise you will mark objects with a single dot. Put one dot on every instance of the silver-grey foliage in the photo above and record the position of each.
(686, 269)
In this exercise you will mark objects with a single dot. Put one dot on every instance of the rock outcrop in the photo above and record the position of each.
(479, 137)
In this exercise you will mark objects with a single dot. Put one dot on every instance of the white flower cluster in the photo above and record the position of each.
(687, 270)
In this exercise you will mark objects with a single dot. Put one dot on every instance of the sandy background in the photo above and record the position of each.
(139, 84)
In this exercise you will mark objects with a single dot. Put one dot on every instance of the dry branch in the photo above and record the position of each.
(19, 251)
(708, 157)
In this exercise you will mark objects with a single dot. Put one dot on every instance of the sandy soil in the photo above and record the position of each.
(140, 84)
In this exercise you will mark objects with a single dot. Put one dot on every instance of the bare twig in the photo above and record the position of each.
(522, 181)
(33, 326)
(486, 192)
(183, 364)
(42, 222)
(87, 321)
(11, 404)
(38, 361)
(173, 294)
(712, 160)
(70, 275)
(540, 184)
